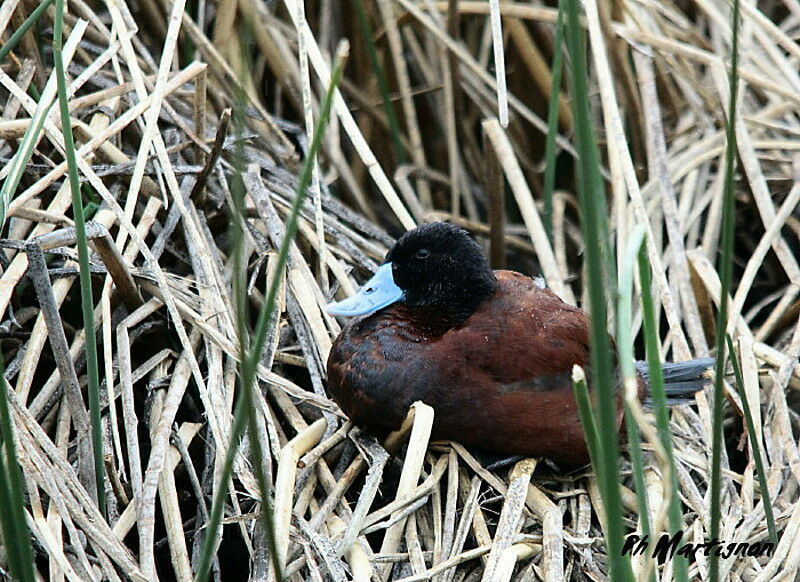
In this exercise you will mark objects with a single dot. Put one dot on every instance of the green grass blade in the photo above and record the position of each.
(594, 225)
(251, 358)
(380, 76)
(215, 516)
(16, 536)
(751, 432)
(249, 362)
(658, 395)
(725, 270)
(627, 369)
(12, 41)
(627, 365)
(87, 301)
(587, 414)
(20, 160)
(637, 467)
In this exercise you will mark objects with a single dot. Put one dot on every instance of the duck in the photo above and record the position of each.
(491, 351)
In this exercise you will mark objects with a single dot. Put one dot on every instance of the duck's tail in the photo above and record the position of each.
(681, 379)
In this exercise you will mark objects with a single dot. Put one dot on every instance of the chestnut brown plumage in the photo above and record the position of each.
(491, 351)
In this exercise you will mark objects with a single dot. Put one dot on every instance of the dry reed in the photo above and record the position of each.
(149, 87)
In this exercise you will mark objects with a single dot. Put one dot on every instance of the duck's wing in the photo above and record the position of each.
(504, 378)
(524, 338)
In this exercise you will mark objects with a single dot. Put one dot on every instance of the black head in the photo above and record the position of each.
(440, 265)
(436, 266)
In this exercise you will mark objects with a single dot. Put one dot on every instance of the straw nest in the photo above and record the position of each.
(149, 86)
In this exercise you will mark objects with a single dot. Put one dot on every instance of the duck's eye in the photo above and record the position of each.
(422, 254)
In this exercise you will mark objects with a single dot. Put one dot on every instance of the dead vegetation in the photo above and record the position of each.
(150, 82)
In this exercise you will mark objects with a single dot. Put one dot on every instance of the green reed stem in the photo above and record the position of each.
(756, 450)
(16, 535)
(587, 416)
(248, 365)
(658, 394)
(594, 225)
(380, 76)
(627, 369)
(725, 269)
(20, 160)
(251, 358)
(14, 39)
(87, 299)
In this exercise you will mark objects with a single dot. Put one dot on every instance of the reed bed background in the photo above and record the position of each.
(194, 155)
